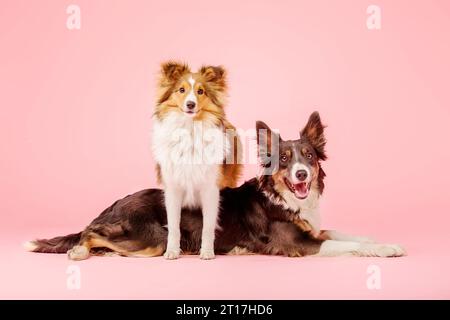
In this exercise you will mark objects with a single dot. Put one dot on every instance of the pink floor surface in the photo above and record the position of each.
(423, 274)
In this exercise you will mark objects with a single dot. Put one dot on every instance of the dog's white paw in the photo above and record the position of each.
(392, 250)
(172, 254)
(207, 254)
(382, 250)
(78, 253)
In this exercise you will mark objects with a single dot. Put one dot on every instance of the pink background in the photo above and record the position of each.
(75, 110)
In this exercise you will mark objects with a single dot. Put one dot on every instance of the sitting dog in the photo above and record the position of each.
(262, 216)
(193, 148)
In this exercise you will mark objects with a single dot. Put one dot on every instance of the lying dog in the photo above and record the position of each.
(263, 216)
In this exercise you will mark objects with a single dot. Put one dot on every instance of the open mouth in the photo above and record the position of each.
(300, 190)
(190, 113)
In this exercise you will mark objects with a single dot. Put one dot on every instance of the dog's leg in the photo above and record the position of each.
(333, 248)
(88, 241)
(82, 250)
(147, 252)
(173, 199)
(125, 248)
(210, 197)
(338, 236)
(79, 252)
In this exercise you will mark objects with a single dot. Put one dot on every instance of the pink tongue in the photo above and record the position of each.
(301, 190)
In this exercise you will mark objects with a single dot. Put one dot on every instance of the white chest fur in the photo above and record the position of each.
(308, 209)
(189, 154)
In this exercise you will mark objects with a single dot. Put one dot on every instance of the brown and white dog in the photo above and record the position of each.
(262, 216)
(195, 147)
(293, 170)
(292, 175)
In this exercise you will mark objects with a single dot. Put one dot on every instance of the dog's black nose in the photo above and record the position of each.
(301, 175)
(190, 105)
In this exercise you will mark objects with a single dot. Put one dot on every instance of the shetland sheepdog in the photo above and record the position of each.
(195, 147)
(262, 216)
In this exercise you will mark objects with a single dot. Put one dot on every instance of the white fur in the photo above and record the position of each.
(333, 248)
(296, 167)
(310, 210)
(191, 95)
(210, 198)
(30, 246)
(189, 154)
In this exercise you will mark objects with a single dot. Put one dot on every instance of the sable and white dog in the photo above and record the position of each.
(195, 147)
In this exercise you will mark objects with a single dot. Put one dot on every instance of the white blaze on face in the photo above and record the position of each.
(299, 166)
(301, 188)
(191, 95)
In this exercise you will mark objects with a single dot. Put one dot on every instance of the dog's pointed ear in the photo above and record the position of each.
(313, 132)
(216, 74)
(172, 71)
(268, 142)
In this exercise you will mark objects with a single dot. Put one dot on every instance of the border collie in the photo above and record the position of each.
(193, 148)
(262, 216)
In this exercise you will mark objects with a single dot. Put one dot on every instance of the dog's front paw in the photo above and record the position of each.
(78, 253)
(392, 250)
(207, 254)
(172, 254)
(382, 250)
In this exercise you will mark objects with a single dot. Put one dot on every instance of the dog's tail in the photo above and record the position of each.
(53, 245)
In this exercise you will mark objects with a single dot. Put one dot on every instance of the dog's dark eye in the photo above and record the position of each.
(309, 155)
(283, 158)
(181, 90)
(200, 91)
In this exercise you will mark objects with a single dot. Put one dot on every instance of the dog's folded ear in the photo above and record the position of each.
(172, 71)
(313, 132)
(216, 74)
(215, 81)
(268, 143)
